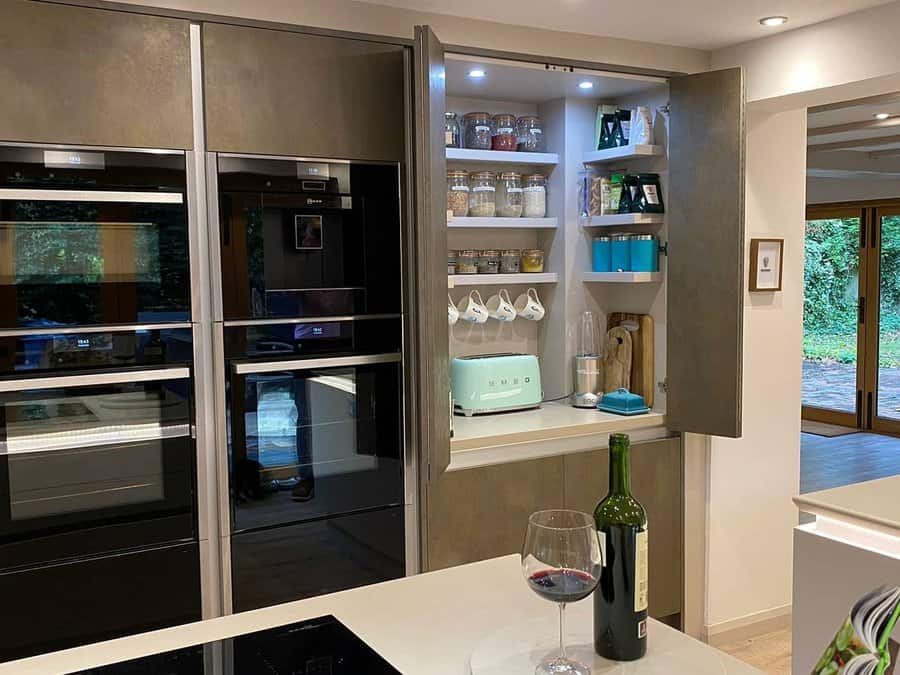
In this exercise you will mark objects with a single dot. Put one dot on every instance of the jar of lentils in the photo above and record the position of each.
(482, 195)
(509, 195)
(534, 196)
(458, 193)
(503, 135)
(478, 130)
(489, 262)
(530, 134)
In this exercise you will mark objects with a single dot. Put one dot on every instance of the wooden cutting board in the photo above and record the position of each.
(640, 326)
(617, 360)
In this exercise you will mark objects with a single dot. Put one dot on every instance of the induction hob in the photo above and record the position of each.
(321, 646)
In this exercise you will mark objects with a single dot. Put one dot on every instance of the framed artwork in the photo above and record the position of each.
(766, 259)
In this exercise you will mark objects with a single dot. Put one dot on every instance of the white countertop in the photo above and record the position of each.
(553, 429)
(873, 505)
(429, 624)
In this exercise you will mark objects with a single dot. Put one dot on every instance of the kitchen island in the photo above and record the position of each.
(852, 548)
(430, 624)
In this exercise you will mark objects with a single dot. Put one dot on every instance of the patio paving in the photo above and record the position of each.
(833, 385)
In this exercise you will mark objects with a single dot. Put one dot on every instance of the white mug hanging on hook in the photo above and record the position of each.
(500, 307)
(452, 312)
(528, 306)
(471, 308)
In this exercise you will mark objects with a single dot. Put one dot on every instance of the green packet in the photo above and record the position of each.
(863, 645)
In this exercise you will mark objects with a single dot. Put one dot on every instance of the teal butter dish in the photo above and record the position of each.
(623, 402)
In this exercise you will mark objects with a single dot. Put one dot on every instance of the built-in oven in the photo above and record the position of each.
(307, 238)
(315, 456)
(92, 237)
(97, 482)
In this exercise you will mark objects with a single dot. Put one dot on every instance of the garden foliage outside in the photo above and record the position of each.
(830, 297)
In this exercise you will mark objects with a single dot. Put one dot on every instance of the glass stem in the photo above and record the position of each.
(562, 630)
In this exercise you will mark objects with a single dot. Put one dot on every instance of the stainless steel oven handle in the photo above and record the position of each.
(91, 196)
(57, 382)
(312, 364)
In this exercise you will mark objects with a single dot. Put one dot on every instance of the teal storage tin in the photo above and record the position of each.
(644, 249)
(602, 254)
(620, 256)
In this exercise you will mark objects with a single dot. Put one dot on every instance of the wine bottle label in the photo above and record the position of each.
(640, 571)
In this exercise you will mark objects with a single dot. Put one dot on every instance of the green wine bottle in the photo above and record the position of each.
(620, 601)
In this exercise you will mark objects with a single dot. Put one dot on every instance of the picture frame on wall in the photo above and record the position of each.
(766, 262)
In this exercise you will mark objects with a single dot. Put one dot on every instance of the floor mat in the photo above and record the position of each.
(823, 429)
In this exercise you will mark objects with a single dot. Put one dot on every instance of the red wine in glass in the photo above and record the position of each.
(562, 585)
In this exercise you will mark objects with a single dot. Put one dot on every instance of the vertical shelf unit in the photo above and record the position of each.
(569, 116)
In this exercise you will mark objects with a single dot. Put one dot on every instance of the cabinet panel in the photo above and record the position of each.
(94, 77)
(483, 513)
(284, 93)
(656, 482)
(706, 253)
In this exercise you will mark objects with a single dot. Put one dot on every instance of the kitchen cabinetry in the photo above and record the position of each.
(481, 513)
(95, 77)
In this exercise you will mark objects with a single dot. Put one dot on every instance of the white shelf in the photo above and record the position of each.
(502, 279)
(501, 156)
(621, 277)
(505, 223)
(624, 152)
(617, 219)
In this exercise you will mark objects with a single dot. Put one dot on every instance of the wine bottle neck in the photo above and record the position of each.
(619, 470)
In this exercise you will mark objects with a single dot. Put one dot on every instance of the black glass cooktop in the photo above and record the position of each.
(322, 646)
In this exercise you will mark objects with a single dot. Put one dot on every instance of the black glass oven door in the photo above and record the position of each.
(314, 438)
(93, 463)
(92, 257)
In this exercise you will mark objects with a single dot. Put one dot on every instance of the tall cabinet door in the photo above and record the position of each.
(94, 77)
(706, 253)
(432, 332)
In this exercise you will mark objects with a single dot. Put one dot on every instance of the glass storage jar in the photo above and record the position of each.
(510, 261)
(489, 262)
(503, 134)
(530, 134)
(458, 193)
(467, 261)
(534, 196)
(478, 130)
(451, 262)
(509, 195)
(533, 260)
(451, 130)
(482, 194)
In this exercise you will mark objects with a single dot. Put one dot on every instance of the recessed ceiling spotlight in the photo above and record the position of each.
(882, 116)
(585, 85)
(476, 73)
(773, 20)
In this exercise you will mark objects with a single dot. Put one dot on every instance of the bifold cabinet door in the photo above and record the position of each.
(277, 92)
(432, 361)
(705, 310)
(94, 77)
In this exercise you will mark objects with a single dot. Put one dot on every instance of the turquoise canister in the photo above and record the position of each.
(644, 253)
(602, 254)
(620, 253)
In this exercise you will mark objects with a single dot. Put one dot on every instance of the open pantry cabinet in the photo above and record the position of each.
(696, 297)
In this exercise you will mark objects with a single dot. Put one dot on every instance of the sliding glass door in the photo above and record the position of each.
(851, 316)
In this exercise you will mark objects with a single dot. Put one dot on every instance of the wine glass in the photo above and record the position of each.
(561, 562)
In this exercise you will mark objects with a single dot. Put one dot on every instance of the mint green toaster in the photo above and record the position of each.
(495, 383)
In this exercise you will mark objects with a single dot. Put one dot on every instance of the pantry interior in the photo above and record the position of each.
(566, 99)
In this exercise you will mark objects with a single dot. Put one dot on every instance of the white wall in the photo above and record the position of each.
(826, 190)
(849, 49)
(753, 479)
(382, 20)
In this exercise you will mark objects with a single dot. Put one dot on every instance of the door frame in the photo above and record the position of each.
(870, 213)
(827, 415)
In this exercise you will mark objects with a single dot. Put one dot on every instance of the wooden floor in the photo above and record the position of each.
(832, 462)
(771, 653)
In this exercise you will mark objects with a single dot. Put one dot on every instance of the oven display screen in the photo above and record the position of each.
(314, 331)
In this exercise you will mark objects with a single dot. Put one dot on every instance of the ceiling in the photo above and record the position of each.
(846, 140)
(702, 24)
